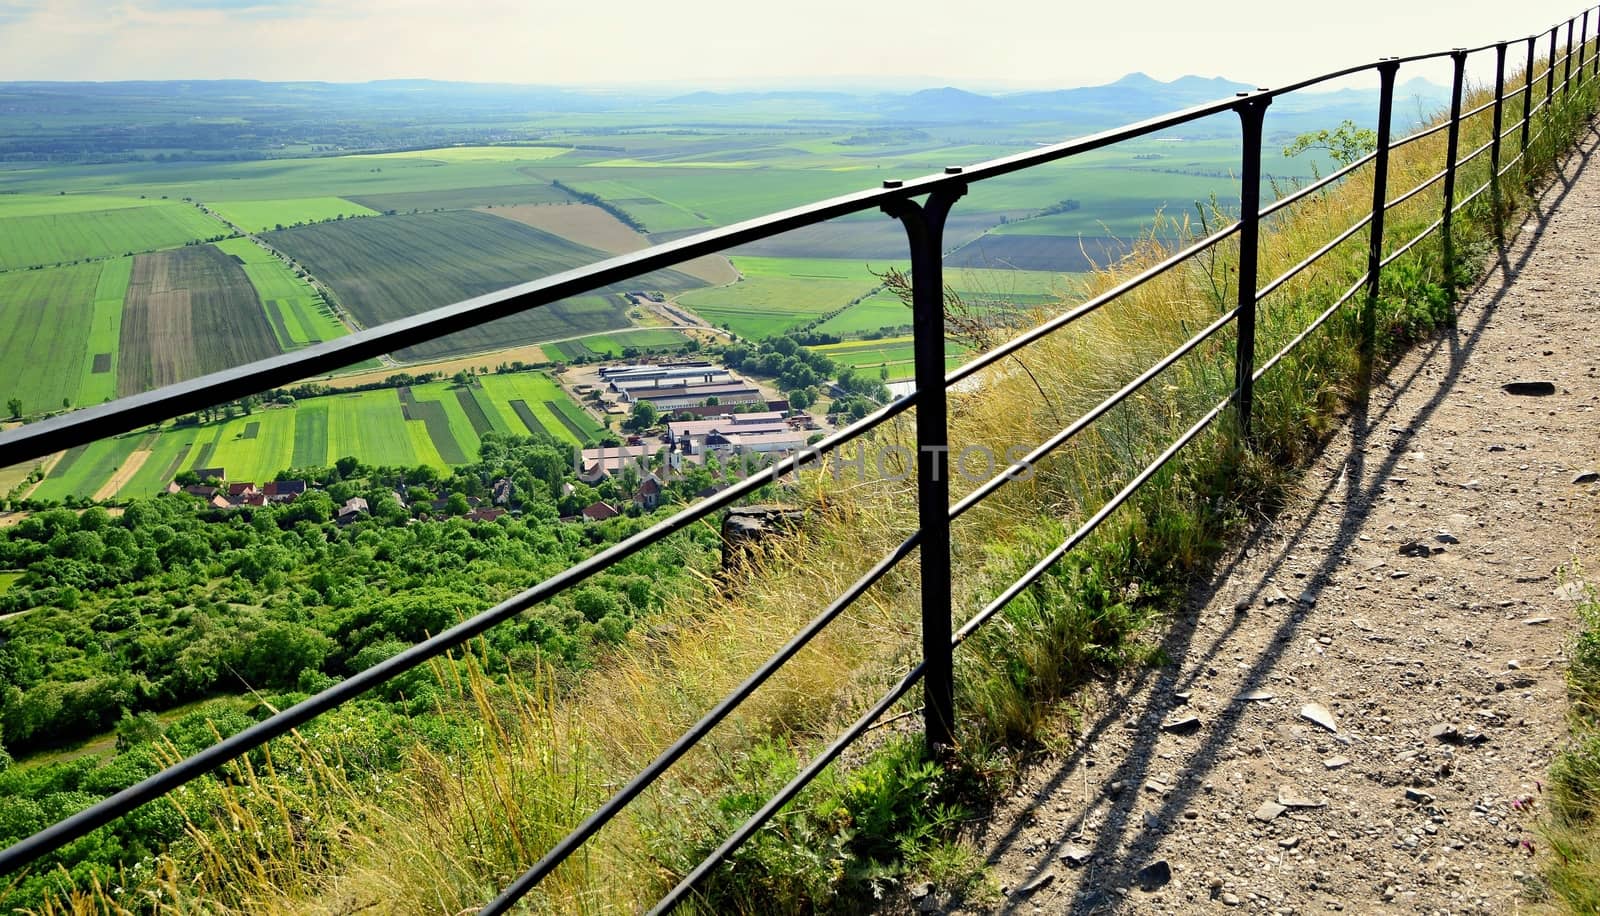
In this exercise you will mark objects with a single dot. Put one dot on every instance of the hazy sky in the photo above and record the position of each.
(723, 43)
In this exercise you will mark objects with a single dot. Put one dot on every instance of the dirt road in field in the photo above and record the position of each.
(1360, 707)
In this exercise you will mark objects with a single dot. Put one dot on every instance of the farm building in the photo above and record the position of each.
(732, 394)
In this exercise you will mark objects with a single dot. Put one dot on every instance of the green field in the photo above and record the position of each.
(57, 238)
(611, 346)
(298, 315)
(83, 470)
(777, 294)
(880, 310)
(538, 392)
(446, 429)
(894, 353)
(262, 215)
(503, 195)
(390, 267)
(8, 579)
(54, 323)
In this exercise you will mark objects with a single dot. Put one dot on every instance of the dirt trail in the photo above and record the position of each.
(1414, 591)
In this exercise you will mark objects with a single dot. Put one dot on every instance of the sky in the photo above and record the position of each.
(725, 44)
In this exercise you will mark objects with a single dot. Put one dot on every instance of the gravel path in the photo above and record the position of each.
(1361, 701)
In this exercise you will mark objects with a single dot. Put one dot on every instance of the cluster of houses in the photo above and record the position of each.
(687, 443)
(696, 387)
(235, 495)
(241, 494)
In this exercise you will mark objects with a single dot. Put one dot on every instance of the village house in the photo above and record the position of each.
(599, 512)
(648, 495)
(283, 491)
(352, 510)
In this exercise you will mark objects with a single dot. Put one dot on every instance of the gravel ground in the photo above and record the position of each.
(1362, 702)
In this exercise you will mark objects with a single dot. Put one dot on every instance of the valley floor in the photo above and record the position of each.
(1418, 591)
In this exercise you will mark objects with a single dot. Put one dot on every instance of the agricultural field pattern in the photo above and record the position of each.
(127, 269)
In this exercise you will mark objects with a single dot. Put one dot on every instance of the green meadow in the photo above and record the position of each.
(45, 238)
(774, 295)
(262, 215)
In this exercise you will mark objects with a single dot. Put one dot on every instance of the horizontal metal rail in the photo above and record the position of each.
(1050, 559)
(1427, 132)
(1314, 257)
(1099, 410)
(602, 815)
(1426, 183)
(1312, 327)
(154, 786)
(1474, 154)
(1302, 193)
(1393, 256)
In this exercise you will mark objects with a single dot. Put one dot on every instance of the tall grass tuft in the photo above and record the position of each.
(1571, 827)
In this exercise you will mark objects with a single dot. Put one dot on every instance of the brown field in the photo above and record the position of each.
(130, 467)
(528, 354)
(188, 311)
(592, 226)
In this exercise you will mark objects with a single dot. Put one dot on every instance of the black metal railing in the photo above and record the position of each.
(924, 224)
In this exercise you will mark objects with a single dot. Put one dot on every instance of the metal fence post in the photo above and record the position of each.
(1566, 68)
(1458, 57)
(1583, 45)
(924, 225)
(1527, 99)
(1380, 199)
(1499, 109)
(1550, 71)
(1252, 113)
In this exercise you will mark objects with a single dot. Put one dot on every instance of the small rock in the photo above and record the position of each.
(1445, 537)
(1535, 621)
(919, 891)
(1419, 797)
(1290, 797)
(1316, 712)
(1445, 732)
(1570, 591)
(1307, 598)
(1154, 876)
(1241, 606)
(1276, 596)
(1036, 885)
(1534, 388)
(1268, 811)
(1586, 477)
(1077, 856)
(1334, 763)
(1256, 696)
(1414, 549)
(1230, 899)
(1289, 843)
(1181, 697)
(1181, 724)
